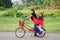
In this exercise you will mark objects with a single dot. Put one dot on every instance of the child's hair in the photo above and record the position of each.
(34, 14)
(33, 10)
(41, 17)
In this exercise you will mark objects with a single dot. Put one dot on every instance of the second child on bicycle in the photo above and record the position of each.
(41, 23)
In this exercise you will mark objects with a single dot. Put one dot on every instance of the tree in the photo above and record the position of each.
(5, 3)
(42, 3)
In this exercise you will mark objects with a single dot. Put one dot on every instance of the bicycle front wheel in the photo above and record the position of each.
(19, 32)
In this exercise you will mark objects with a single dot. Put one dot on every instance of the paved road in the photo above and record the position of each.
(11, 36)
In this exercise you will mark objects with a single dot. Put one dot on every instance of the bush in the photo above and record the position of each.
(2, 8)
(49, 15)
(20, 7)
(57, 13)
(6, 15)
(10, 12)
(19, 14)
(14, 13)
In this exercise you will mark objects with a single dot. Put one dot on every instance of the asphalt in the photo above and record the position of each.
(11, 36)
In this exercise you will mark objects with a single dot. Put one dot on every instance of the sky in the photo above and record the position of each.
(20, 1)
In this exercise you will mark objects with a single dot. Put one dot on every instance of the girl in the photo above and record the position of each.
(35, 21)
(41, 23)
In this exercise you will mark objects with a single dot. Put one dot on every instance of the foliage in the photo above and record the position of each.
(5, 3)
(2, 8)
(24, 13)
(11, 12)
(57, 13)
(21, 6)
(41, 3)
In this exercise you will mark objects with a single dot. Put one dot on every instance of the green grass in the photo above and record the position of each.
(10, 24)
(52, 24)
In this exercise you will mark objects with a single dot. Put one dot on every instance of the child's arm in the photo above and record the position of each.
(29, 16)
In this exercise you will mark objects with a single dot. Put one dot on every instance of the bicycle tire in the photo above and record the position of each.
(44, 31)
(20, 32)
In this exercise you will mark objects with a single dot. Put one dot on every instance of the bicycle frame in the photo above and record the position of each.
(23, 25)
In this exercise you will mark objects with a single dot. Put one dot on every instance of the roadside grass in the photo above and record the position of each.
(9, 24)
(52, 24)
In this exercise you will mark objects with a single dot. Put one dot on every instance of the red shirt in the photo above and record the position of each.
(35, 20)
(41, 22)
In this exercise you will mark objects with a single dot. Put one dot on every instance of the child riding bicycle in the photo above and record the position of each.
(38, 26)
(37, 23)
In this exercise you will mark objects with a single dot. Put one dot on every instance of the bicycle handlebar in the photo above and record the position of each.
(25, 19)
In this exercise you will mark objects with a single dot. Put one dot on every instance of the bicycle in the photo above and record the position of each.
(20, 32)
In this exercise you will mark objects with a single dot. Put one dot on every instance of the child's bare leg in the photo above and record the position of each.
(41, 31)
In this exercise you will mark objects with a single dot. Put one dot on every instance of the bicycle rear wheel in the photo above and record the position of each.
(19, 32)
(44, 31)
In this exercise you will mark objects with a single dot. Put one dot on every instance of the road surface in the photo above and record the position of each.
(11, 36)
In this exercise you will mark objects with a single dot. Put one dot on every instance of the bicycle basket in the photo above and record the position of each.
(21, 23)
